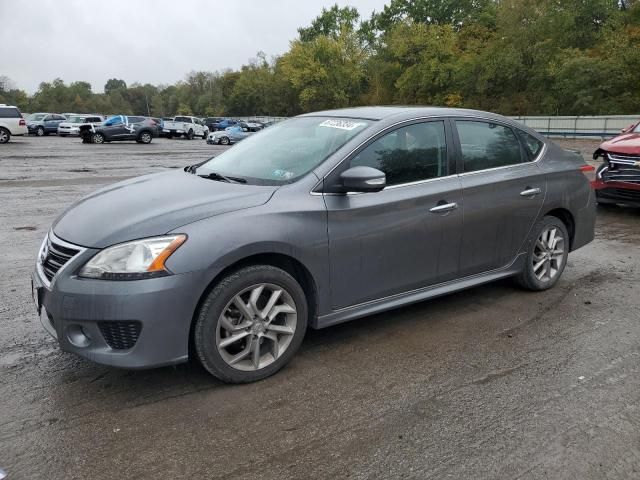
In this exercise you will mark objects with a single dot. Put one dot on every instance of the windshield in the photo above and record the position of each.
(286, 151)
(75, 120)
(36, 117)
(637, 129)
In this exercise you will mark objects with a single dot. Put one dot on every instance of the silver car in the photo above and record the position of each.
(72, 125)
(317, 220)
(228, 136)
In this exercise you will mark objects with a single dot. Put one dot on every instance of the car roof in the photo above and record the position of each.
(402, 112)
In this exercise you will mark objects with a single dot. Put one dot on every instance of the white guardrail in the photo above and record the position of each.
(577, 127)
(561, 126)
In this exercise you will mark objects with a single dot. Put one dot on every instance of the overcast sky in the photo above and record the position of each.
(146, 41)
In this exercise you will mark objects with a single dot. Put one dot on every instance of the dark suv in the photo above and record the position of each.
(317, 220)
(120, 128)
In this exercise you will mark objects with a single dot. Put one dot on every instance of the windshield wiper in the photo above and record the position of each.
(195, 166)
(224, 178)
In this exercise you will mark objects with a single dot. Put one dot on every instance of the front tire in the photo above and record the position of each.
(251, 324)
(5, 135)
(98, 138)
(145, 137)
(189, 135)
(224, 141)
(547, 255)
(40, 132)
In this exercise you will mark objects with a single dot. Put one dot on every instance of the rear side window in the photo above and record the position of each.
(10, 112)
(531, 144)
(409, 154)
(487, 145)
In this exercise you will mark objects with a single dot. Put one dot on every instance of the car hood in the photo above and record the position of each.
(628, 143)
(152, 205)
(69, 124)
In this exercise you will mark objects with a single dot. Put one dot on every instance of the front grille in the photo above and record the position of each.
(120, 335)
(623, 168)
(56, 256)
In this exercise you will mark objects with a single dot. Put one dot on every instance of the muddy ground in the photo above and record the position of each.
(493, 382)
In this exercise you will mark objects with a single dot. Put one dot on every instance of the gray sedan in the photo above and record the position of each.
(318, 220)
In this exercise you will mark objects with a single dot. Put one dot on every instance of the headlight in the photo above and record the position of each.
(133, 260)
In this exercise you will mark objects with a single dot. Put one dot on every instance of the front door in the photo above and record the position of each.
(503, 192)
(406, 236)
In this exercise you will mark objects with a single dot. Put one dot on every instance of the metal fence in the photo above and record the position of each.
(560, 126)
(575, 127)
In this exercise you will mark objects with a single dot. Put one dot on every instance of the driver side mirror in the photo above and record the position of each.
(363, 179)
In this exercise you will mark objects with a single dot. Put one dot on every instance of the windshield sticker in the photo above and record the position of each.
(341, 124)
(283, 174)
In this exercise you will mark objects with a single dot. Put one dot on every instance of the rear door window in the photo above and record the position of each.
(486, 145)
(409, 154)
(532, 145)
(9, 112)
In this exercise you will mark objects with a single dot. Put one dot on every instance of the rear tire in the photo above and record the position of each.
(5, 135)
(273, 323)
(98, 138)
(546, 256)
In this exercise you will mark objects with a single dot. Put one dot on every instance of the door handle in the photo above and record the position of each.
(530, 192)
(444, 208)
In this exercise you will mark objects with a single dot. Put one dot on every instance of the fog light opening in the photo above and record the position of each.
(78, 336)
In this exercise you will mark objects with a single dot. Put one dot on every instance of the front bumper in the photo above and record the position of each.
(68, 131)
(617, 192)
(129, 324)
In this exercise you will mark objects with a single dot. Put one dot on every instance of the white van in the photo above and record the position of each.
(11, 122)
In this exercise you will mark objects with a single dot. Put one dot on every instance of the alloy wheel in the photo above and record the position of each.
(40, 131)
(548, 254)
(256, 327)
(4, 136)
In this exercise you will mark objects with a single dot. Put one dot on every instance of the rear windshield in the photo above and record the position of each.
(9, 112)
(183, 119)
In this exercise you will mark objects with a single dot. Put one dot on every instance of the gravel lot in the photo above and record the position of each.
(493, 382)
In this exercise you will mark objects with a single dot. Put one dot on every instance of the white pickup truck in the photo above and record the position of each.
(187, 127)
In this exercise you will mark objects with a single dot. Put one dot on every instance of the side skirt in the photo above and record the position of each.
(414, 296)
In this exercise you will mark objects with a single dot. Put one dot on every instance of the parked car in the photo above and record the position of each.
(187, 127)
(618, 177)
(120, 128)
(71, 126)
(318, 220)
(251, 126)
(11, 122)
(228, 136)
(42, 124)
(212, 122)
(224, 124)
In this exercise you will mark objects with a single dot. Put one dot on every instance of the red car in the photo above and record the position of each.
(618, 178)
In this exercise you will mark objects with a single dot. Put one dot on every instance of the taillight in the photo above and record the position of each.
(22, 123)
(589, 172)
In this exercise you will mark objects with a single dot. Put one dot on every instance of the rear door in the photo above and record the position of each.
(503, 191)
(406, 236)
